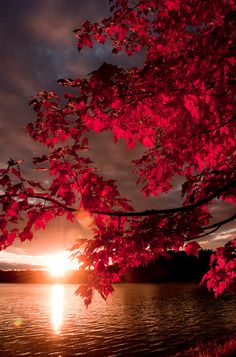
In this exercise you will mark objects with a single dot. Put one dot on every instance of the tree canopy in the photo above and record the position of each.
(179, 105)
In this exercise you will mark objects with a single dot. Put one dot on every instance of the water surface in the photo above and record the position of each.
(137, 320)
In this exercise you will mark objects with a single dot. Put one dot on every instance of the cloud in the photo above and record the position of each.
(12, 259)
(53, 21)
(225, 235)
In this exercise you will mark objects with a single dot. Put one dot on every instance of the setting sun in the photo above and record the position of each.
(59, 263)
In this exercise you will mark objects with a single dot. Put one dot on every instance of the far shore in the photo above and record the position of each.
(180, 268)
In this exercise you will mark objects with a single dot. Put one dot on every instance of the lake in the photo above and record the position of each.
(137, 320)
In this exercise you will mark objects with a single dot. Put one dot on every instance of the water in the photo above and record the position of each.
(137, 320)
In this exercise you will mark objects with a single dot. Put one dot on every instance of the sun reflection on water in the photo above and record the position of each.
(57, 307)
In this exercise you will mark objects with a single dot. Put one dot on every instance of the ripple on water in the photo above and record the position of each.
(139, 319)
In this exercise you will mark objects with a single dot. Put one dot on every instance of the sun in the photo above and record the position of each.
(58, 264)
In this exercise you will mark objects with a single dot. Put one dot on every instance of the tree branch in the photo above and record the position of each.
(216, 128)
(205, 234)
(152, 212)
(76, 179)
(214, 227)
(221, 223)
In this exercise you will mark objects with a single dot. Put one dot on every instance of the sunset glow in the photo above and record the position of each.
(85, 218)
(59, 263)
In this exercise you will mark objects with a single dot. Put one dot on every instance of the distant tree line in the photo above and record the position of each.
(181, 267)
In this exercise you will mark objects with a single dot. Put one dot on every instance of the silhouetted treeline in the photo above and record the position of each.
(179, 268)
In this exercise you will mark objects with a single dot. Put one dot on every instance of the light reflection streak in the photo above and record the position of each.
(57, 307)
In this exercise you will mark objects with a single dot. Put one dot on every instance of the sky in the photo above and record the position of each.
(36, 49)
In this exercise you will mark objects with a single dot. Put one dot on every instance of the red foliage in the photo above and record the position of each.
(192, 248)
(220, 347)
(179, 105)
(223, 269)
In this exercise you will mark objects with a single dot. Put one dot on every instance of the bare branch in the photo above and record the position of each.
(154, 212)
(216, 128)
(221, 223)
(214, 227)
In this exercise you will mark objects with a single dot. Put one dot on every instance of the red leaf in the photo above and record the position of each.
(5, 180)
(192, 248)
(191, 103)
(147, 142)
(26, 234)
